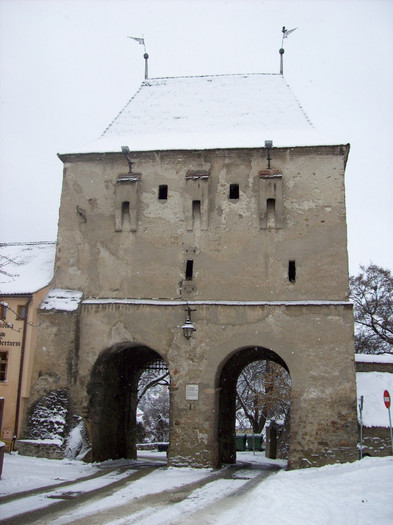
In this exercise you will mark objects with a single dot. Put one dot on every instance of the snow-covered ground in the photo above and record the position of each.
(351, 494)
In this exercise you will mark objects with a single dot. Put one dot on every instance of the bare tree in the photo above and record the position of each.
(155, 418)
(262, 393)
(372, 296)
(153, 401)
(152, 378)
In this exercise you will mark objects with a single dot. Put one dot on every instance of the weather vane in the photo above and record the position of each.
(141, 41)
(285, 33)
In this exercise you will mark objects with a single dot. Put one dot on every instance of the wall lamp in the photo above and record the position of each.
(268, 146)
(188, 328)
(126, 150)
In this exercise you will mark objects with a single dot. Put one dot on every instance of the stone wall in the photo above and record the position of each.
(235, 257)
(39, 450)
(259, 254)
(377, 441)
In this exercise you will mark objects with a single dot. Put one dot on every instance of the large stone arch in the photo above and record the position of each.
(112, 394)
(226, 379)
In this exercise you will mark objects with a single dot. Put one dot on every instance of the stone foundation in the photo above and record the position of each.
(39, 450)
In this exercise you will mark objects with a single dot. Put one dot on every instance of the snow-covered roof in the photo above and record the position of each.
(26, 267)
(218, 111)
(59, 299)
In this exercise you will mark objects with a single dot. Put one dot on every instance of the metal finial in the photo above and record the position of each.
(285, 33)
(281, 51)
(146, 57)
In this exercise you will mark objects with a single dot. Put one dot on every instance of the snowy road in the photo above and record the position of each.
(146, 493)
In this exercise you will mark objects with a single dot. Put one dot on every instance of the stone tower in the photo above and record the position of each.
(215, 194)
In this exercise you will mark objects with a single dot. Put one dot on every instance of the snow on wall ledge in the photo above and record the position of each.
(63, 300)
(372, 358)
(182, 302)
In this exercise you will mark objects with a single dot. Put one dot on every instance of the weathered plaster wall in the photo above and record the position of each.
(234, 258)
(318, 352)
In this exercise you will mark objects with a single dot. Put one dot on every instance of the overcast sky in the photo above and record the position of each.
(67, 68)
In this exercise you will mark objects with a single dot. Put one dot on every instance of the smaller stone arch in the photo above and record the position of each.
(112, 394)
(226, 380)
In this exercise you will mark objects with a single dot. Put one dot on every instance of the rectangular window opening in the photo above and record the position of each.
(3, 311)
(234, 191)
(163, 192)
(189, 269)
(3, 365)
(21, 312)
(292, 271)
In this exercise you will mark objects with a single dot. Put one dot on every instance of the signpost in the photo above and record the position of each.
(386, 400)
(361, 426)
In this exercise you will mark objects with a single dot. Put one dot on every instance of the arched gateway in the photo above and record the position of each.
(227, 385)
(188, 211)
(113, 392)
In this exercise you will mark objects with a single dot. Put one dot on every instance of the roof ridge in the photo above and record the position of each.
(213, 75)
(299, 104)
(121, 111)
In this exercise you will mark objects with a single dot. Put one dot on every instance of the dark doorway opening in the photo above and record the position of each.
(113, 392)
(228, 403)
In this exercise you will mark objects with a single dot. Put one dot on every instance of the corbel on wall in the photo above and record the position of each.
(270, 199)
(197, 191)
(127, 202)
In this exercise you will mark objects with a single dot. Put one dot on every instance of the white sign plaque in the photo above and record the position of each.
(192, 392)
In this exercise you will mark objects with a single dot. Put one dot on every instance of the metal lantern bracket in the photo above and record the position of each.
(188, 328)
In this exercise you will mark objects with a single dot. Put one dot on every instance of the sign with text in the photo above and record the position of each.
(192, 392)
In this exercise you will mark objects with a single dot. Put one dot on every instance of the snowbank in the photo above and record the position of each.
(358, 493)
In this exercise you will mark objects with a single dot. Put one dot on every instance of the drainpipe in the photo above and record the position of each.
(22, 358)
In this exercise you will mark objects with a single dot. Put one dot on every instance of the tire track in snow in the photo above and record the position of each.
(176, 505)
(48, 500)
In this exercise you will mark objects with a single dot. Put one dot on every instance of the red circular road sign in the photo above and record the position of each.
(386, 399)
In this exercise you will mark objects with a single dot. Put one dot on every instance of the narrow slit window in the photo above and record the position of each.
(271, 213)
(163, 192)
(189, 269)
(292, 271)
(125, 214)
(196, 212)
(234, 191)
